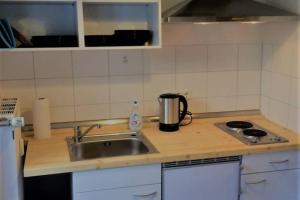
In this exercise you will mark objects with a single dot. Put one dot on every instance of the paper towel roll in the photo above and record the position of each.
(41, 119)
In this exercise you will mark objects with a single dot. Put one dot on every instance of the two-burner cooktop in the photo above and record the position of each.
(250, 133)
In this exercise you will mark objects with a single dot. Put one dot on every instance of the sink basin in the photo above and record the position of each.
(109, 145)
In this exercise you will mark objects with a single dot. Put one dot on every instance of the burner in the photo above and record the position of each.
(254, 133)
(239, 125)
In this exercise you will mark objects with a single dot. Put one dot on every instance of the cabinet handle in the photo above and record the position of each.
(257, 182)
(279, 162)
(145, 195)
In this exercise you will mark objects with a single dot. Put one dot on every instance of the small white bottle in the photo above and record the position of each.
(135, 118)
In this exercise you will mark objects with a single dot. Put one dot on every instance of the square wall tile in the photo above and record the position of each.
(191, 59)
(294, 96)
(264, 105)
(17, 65)
(222, 84)
(90, 63)
(294, 119)
(58, 91)
(280, 88)
(155, 85)
(279, 112)
(62, 114)
(250, 57)
(22, 89)
(53, 64)
(126, 62)
(284, 59)
(195, 84)
(221, 104)
(222, 57)
(123, 110)
(197, 105)
(91, 90)
(267, 59)
(266, 83)
(151, 108)
(159, 61)
(249, 82)
(251, 102)
(126, 88)
(92, 112)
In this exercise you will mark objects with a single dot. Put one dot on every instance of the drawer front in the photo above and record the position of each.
(270, 162)
(146, 192)
(116, 178)
(278, 185)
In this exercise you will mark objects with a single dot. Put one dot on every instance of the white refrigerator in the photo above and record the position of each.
(11, 150)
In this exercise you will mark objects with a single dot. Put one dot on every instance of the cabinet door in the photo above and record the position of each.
(147, 192)
(204, 182)
(277, 185)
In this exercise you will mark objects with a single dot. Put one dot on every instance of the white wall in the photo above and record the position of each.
(218, 64)
(281, 71)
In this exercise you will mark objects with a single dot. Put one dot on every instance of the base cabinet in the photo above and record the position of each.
(276, 185)
(128, 183)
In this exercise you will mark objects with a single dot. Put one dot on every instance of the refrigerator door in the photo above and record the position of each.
(202, 182)
(10, 165)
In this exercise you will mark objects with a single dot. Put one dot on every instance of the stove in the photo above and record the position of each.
(250, 133)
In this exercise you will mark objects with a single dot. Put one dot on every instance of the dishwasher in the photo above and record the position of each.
(204, 179)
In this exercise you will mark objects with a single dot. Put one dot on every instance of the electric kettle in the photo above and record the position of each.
(170, 113)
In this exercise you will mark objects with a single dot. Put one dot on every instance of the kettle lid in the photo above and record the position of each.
(169, 96)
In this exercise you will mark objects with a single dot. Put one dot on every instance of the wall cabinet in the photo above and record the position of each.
(129, 183)
(79, 19)
(272, 176)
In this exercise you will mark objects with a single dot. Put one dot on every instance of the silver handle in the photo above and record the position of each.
(257, 182)
(145, 195)
(280, 162)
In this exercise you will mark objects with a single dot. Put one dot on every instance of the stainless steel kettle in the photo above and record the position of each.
(170, 114)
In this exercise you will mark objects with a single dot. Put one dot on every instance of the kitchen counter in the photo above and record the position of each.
(199, 140)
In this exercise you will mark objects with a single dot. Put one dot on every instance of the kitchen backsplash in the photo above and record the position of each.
(281, 74)
(219, 65)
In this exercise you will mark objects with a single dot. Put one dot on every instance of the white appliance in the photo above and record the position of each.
(11, 150)
(206, 179)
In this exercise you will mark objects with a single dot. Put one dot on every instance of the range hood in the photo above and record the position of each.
(201, 11)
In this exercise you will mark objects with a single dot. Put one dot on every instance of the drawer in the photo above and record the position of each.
(146, 192)
(270, 162)
(277, 185)
(116, 178)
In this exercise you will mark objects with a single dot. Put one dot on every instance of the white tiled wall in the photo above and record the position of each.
(281, 74)
(218, 65)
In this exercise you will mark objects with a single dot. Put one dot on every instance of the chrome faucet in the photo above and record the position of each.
(78, 135)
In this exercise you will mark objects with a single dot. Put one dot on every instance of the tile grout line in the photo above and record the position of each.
(34, 75)
(73, 81)
(237, 76)
(109, 83)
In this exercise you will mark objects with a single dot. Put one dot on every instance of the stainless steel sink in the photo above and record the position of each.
(109, 145)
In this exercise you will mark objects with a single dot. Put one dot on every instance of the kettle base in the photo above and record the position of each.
(168, 127)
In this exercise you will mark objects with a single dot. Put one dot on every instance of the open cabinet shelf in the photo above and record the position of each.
(84, 19)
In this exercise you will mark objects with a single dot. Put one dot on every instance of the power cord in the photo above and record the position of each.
(190, 114)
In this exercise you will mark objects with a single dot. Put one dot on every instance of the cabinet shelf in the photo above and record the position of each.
(81, 18)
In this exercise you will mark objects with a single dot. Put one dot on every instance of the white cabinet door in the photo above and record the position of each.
(278, 185)
(146, 192)
(204, 182)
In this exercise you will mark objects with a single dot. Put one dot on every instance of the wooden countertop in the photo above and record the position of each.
(199, 140)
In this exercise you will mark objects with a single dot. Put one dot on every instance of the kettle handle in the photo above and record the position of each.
(183, 100)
